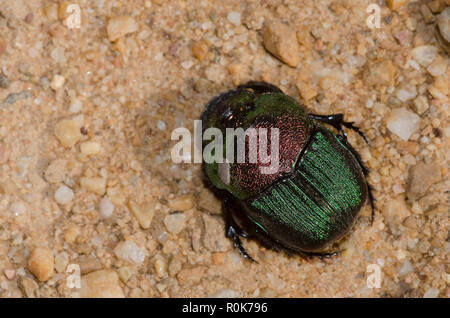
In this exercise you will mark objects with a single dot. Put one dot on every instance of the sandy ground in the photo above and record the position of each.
(89, 195)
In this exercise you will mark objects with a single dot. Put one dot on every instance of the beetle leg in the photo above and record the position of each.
(233, 231)
(365, 171)
(322, 255)
(260, 87)
(337, 121)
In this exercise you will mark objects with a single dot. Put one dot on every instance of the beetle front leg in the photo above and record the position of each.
(233, 231)
(337, 121)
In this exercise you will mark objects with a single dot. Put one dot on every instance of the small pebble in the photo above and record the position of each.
(75, 106)
(420, 178)
(402, 122)
(89, 148)
(160, 267)
(9, 273)
(443, 29)
(119, 26)
(306, 91)
(61, 262)
(407, 93)
(438, 67)
(406, 268)
(130, 252)
(381, 73)
(175, 223)
(125, 273)
(421, 105)
(191, 276)
(101, 284)
(396, 210)
(18, 208)
(395, 4)
(431, 293)
(29, 286)
(71, 234)
(182, 203)
(199, 50)
(226, 293)
(41, 263)
(424, 55)
(234, 18)
(68, 132)
(143, 212)
(115, 194)
(64, 195)
(57, 82)
(88, 264)
(281, 40)
(95, 185)
(106, 207)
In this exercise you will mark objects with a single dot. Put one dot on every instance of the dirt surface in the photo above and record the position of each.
(87, 185)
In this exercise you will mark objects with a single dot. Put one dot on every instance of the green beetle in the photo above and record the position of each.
(318, 188)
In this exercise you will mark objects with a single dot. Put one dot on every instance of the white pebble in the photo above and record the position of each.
(431, 293)
(106, 208)
(403, 123)
(424, 55)
(64, 195)
(405, 94)
(118, 27)
(57, 82)
(437, 68)
(129, 251)
(175, 223)
(57, 54)
(161, 125)
(234, 17)
(90, 148)
(75, 106)
(406, 268)
(17, 208)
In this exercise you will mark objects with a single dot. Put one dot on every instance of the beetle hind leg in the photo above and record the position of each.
(322, 255)
(337, 121)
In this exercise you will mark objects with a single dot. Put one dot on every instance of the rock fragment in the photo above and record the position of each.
(95, 185)
(402, 123)
(175, 222)
(64, 195)
(281, 41)
(143, 212)
(118, 27)
(41, 263)
(101, 284)
(395, 4)
(130, 252)
(420, 178)
(68, 132)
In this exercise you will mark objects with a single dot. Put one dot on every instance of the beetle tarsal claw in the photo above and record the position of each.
(238, 244)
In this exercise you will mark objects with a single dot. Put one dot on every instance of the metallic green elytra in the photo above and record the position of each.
(314, 190)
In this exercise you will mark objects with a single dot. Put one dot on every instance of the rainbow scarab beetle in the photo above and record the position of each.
(319, 188)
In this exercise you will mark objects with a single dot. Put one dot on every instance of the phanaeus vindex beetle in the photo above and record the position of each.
(314, 197)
